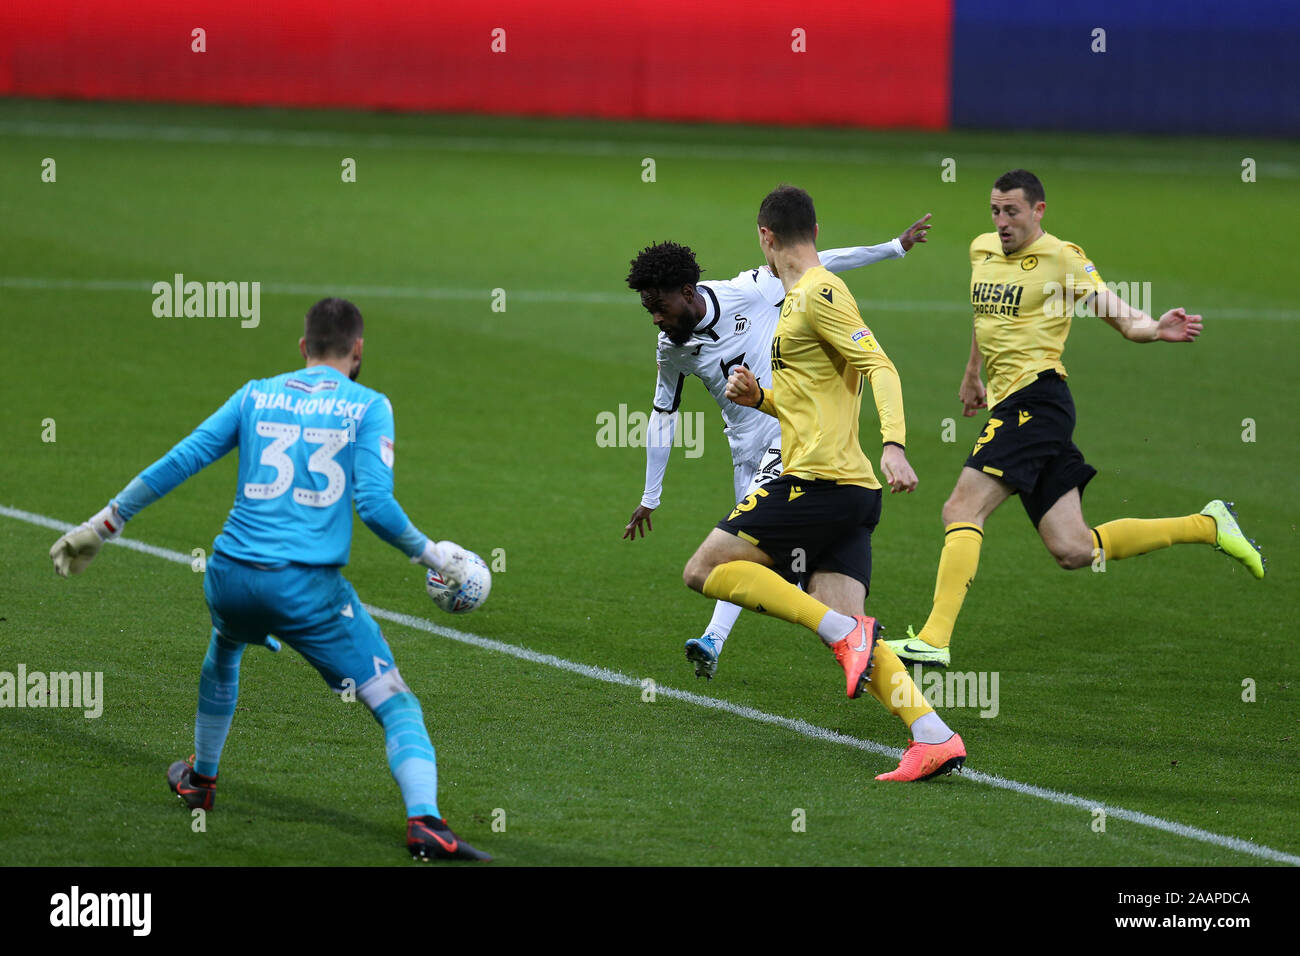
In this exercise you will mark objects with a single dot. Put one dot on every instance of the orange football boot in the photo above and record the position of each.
(854, 653)
(923, 761)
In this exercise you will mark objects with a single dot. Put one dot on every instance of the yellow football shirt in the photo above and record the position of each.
(821, 351)
(1023, 304)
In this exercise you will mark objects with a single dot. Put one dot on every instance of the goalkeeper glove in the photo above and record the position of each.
(447, 558)
(78, 547)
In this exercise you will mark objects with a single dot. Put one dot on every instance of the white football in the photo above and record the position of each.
(471, 594)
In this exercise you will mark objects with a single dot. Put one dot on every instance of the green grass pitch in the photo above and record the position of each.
(1124, 688)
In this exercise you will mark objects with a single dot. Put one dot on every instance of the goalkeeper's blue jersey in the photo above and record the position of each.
(311, 443)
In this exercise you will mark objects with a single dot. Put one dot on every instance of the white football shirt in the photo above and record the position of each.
(739, 320)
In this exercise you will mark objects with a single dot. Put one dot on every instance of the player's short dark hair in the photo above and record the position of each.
(1022, 179)
(332, 326)
(788, 211)
(665, 265)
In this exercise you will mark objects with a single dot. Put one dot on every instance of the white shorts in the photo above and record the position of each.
(750, 474)
(756, 459)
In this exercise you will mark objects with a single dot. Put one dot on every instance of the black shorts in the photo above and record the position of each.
(806, 526)
(1028, 443)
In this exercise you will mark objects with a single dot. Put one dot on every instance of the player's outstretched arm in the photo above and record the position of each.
(660, 432)
(971, 392)
(854, 257)
(218, 434)
(377, 507)
(1136, 326)
(379, 511)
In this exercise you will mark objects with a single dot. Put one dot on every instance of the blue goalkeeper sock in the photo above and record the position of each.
(218, 692)
(410, 753)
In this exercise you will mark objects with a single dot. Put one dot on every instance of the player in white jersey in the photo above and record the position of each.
(707, 328)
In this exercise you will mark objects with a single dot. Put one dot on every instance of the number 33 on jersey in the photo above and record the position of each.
(310, 442)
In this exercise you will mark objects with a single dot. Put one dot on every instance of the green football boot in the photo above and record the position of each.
(913, 650)
(1230, 538)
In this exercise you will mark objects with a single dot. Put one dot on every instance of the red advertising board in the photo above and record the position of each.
(837, 62)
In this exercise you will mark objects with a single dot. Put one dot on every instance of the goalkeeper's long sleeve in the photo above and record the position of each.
(373, 497)
(214, 438)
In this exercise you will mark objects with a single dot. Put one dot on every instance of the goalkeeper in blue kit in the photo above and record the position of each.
(311, 444)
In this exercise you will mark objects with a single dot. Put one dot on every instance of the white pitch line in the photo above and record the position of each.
(855, 154)
(797, 726)
(626, 299)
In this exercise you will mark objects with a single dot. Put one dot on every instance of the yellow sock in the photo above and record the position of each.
(763, 590)
(1127, 537)
(957, 565)
(893, 686)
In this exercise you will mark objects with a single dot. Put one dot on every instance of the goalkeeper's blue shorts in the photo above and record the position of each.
(312, 609)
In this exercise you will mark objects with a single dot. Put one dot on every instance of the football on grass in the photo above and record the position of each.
(471, 594)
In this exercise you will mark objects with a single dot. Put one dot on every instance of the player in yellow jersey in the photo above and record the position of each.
(1024, 286)
(814, 522)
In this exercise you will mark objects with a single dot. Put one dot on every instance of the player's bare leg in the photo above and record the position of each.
(838, 591)
(975, 497)
(890, 684)
(1076, 545)
(727, 567)
(847, 596)
(1216, 525)
(1067, 535)
(935, 748)
(719, 548)
(704, 651)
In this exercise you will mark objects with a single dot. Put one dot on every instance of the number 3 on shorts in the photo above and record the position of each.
(987, 436)
(749, 503)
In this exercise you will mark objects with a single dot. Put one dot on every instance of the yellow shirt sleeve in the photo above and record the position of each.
(767, 401)
(838, 321)
(1081, 276)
